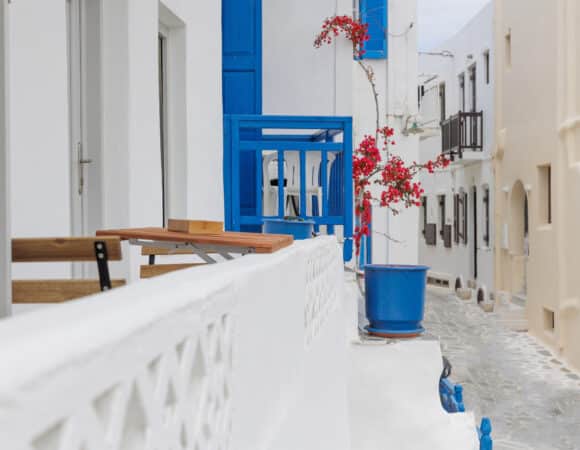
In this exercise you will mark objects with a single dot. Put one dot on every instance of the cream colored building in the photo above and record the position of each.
(537, 166)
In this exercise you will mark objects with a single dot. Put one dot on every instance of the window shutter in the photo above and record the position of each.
(424, 207)
(465, 215)
(431, 234)
(456, 218)
(447, 236)
(374, 13)
(486, 237)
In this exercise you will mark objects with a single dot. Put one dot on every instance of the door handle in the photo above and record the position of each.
(81, 162)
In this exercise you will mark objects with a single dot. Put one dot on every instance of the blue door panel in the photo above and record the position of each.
(238, 91)
(239, 27)
(242, 84)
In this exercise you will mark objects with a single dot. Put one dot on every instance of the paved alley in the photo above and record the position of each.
(532, 398)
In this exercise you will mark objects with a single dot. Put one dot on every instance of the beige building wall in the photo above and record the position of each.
(537, 161)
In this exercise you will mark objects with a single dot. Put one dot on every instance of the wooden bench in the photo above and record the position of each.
(100, 249)
(205, 246)
(154, 270)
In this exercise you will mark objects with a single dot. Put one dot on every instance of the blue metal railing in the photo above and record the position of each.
(452, 400)
(451, 396)
(251, 138)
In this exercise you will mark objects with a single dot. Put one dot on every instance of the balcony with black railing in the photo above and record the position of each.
(461, 133)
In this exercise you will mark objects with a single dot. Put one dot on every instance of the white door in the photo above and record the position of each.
(83, 26)
(79, 160)
(84, 113)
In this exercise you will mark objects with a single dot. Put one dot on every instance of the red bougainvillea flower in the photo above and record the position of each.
(352, 29)
(374, 168)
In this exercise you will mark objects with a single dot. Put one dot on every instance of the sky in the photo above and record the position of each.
(441, 19)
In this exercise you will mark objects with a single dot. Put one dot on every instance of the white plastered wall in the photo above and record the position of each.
(534, 131)
(395, 79)
(129, 160)
(474, 39)
(5, 248)
(40, 163)
(299, 79)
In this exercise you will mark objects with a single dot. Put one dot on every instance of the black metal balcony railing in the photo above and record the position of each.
(462, 132)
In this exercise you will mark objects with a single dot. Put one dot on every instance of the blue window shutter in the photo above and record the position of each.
(374, 13)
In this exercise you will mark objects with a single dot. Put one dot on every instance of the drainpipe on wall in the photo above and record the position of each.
(5, 245)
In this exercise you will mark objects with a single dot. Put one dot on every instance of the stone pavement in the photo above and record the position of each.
(532, 398)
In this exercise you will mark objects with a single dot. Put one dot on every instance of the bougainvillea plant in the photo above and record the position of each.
(373, 161)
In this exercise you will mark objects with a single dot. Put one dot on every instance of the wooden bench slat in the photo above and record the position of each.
(62, 249)
(55, 291)
(150, 271)
(195, 226)
(262, 243)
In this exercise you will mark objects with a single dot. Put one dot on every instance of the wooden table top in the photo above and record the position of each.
(262, 243)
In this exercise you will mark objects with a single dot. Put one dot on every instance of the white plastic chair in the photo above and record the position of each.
(269, 173)
(292, 175)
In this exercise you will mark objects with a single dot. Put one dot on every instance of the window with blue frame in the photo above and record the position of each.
(374, 13)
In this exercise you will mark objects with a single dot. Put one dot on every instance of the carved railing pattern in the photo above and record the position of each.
(323, 288)
(178, 399)
(155, 365)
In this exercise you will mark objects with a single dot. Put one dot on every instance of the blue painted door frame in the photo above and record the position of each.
(242, 84)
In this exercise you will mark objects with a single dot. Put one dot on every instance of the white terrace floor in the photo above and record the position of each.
(532, 398)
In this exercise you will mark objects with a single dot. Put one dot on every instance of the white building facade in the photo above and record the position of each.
(115, 112)
(456, 94)
(111, 116)
(394, 240)
(87, 132)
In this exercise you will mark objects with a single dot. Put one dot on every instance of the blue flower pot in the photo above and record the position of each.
(395, 299)
(300, 229)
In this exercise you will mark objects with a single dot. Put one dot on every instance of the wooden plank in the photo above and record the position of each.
(261, 243)
(195, 226)
(154, 270)
(55, 291)
(62, 249)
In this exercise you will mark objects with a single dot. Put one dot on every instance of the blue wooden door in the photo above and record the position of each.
(242, 85)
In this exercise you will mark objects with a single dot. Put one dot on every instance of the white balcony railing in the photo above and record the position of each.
(248, 354)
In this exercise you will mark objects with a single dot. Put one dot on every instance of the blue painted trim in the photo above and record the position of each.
(369, 16)
(451, 396)
(319, 220)
(292, 122)
(235, 159)
(227, 170)
(324, 183)
(348, 189)
(259, 184)
(484, 432)
(303, 199)
(281, 206)
(452, 401)
(369, 244)
(295, 146)
(242, 93)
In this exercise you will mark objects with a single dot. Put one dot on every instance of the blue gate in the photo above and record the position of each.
(303, 164)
